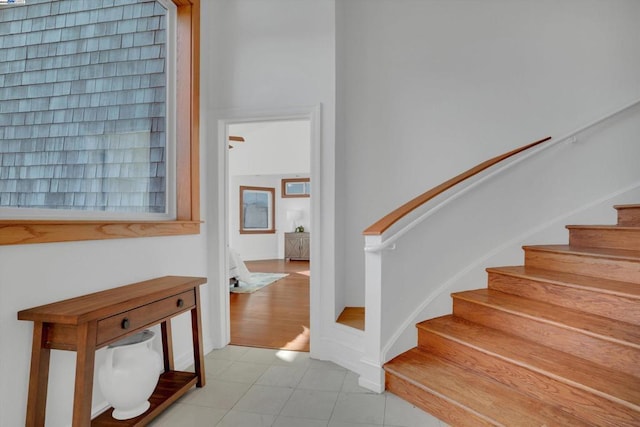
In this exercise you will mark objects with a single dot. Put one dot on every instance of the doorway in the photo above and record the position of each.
(263, 156)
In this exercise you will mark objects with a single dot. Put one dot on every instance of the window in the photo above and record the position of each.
(257, 210)
(296, 187)
(143, 187)
(85, 99)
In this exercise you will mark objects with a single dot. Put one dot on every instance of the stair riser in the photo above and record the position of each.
(605, 238)
(433, 403)
(614, 355)
(575, 401)
(603, 304)
(629, 217)
(604, 268)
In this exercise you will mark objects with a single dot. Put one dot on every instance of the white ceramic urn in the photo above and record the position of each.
(130, 374)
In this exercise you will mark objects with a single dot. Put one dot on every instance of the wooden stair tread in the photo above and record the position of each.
(627, 206)
(593, 325)
(352, 317)
(603, 227)
(622, 254)
(491, 401)
(614, 287)
(564, 367)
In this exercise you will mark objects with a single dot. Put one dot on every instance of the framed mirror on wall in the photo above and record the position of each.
(257, 210)
(296, 187)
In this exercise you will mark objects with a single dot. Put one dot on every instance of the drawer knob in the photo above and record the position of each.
(180, 302)
(125, 323)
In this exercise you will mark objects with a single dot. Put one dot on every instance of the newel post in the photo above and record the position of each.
(373, 375)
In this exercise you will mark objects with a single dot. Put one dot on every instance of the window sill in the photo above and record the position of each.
(16, 232)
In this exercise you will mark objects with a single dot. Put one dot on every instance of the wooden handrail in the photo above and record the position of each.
(388, 220)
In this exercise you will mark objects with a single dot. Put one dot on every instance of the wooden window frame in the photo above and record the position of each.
(272, 228)
(285, 181)
(14, 232)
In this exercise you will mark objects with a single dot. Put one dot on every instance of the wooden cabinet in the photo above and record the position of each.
(87, 323)
(296, 246)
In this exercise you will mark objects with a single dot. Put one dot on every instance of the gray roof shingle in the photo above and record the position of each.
(82, 105)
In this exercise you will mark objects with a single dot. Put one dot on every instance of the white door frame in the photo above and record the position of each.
(219, 318)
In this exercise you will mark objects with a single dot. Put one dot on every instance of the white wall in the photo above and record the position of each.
(429, 88)
(423, 90)
(264, 246)
(260, 59)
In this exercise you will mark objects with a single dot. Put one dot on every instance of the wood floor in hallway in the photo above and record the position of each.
(276, 316)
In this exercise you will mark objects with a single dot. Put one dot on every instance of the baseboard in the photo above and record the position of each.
(345, 348)
(372, 377)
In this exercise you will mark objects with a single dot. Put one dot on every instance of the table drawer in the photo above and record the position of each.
(114, 327)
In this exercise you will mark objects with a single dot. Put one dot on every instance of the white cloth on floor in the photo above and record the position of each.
(237, 268)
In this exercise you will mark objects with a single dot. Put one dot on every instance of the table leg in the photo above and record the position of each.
(167, 345)
(85, 360)
(38, 378)
(196, 331)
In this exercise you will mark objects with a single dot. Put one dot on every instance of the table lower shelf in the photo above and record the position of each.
(171, 386)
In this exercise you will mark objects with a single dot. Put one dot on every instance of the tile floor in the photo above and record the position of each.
(253, 387)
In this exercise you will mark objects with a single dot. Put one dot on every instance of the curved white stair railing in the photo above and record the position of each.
(398, 235)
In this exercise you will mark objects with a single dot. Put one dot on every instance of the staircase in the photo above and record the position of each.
(555, 342)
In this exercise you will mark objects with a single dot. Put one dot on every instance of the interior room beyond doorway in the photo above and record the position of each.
(267, 162)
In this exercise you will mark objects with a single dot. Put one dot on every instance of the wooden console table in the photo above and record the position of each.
(87, 323)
